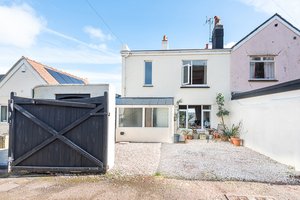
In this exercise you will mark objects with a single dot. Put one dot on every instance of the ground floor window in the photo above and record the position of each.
(3, 111)
(194, 116)
(152, 117)
(130, 117)
(156, 117)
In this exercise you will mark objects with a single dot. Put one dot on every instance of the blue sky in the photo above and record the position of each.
(72, 36)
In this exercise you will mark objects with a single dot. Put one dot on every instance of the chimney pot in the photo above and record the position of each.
(217, 20)
(165, 38)
(164, 43)
(218, 34)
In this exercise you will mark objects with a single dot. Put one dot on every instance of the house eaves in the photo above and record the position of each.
(15, 67)
(262, 26)
(145, 101)
(171, 52)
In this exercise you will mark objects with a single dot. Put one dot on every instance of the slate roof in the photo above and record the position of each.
(145, 101)
(54, 76)
(281, 87)
(1, 76)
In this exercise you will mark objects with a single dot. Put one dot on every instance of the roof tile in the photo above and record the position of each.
(44, 73)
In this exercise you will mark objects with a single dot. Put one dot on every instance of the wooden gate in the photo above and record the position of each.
(58, 136)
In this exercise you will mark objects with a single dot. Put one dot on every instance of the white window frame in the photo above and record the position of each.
(148, 61)
(261, 60)
(186, 117)
(202, 115)
(118, 117)
(143, 115)
(190, 75)
(188, 66)
(6, 114)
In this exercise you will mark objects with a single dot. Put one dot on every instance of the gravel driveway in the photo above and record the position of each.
(199, 160)
(136, 158)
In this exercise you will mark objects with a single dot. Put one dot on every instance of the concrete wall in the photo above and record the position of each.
(271, 125)
(270, 40)
(111, 126)
(21, 79)
(146, 134)
(167, 76)
(49, 91)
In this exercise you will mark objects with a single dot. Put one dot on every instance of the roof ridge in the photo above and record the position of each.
(57, 70)
(262, 24)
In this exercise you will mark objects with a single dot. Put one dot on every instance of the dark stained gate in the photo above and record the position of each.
(58, 136)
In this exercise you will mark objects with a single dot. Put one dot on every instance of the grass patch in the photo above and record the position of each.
(158, 174)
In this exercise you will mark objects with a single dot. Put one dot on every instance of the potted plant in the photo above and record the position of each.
(189, 134)
(184, 135)
(195, 134)
(222, 112)
(234, 133)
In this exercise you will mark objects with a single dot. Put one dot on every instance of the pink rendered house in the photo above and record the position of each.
(268, 55)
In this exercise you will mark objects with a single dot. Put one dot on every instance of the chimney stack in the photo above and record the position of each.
(164, 43)
(218, 34)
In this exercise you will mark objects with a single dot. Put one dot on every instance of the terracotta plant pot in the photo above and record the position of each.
(236, 141)
(224, 138)
(189, 137)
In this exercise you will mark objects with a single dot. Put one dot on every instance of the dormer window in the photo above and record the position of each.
(262, 68)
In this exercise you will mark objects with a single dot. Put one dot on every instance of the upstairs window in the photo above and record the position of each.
(194, 72)
(262, 68)
(148, 73)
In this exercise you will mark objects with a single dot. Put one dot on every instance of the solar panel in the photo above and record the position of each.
(63, 78)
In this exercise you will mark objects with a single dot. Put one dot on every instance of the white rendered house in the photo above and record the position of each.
(192, 77)
(22, 78)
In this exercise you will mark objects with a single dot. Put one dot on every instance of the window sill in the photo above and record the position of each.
(147, 85)
(262, 80)
(195, 86)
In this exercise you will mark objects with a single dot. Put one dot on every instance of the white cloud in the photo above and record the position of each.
(229, 44)
(99, 47)
(19, 25)
(97, 33)
(289, 9)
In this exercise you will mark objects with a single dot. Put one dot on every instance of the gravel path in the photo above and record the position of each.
(220, 161)
(136, 158)
(199, 160)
